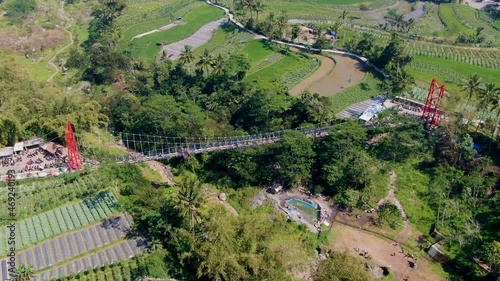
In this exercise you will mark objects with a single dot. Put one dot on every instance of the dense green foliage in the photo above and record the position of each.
(20, 9)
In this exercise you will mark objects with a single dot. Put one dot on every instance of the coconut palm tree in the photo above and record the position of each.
(189, 197)
(205, 61)
(487, 96)
(24, 273)
(187, 56)
(258, 7)
(218, 64)
(471, 86)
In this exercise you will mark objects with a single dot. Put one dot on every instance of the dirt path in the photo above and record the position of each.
(405, 234)
(164, 171)
(51, 61)
(165, 27)
(346, 238)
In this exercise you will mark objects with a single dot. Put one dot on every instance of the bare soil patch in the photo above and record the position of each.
(330, 79)
(383, 253)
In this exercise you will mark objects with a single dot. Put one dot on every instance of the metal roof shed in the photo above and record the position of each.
(18, 147)
(33, 142)
(6, 151)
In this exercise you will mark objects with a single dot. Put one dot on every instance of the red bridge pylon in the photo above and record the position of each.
(432, 114)
(74, 159)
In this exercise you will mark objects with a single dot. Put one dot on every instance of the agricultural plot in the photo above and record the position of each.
(368, 88)
(154, 10)
(453, 26)
(430, 23)
(288, 71)
(40, 196)
(200, 37)
(450, 72)
(46, 225)
(146, 47)
(156, 18)
(123, 271)
(64, 253)
(487, 58)
(470, 18)
(227, 40)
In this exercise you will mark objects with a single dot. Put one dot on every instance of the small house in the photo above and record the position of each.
(276, 188)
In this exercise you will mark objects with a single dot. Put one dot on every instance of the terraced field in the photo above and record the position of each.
(146, 47)
(36, 197)
(66, 218)
(82, 250)
(488, 58)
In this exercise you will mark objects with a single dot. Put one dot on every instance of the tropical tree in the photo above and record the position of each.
(487, 96)
(205, 61)
(258, 7)
(295, 31)
(218, 65)
(189, 197)
(187, 56)
(24, 273)
(472, 87)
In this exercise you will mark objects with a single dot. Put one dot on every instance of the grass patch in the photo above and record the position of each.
(227, 40)
(369, 87)
(257, 50)
(496, 24)
(145, 47)
(270, 76)
(453, 25)
(378, 188)
(411, 187)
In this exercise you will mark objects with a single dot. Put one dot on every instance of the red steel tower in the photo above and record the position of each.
(431, 113)
(74, 160)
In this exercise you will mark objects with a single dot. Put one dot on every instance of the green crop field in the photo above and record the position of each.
(269, 67)
(227, 40)
(257, 50)
(453, 26)
(66, 218)
(488, 58)
(145, 47)
(156, 19)
(451, 72)
(470, 18)
(369, 87)
(41, 196)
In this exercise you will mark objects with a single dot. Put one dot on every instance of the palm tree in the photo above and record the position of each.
(258, 7)
(190, 197)
(187, 56)
(218, 64)
(205, 61)
(471, 86)
(24, 273)
(487, 96)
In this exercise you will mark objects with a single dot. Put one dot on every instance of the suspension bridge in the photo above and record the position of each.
(139, 148)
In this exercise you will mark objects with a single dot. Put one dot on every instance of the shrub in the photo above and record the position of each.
(19, 9)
